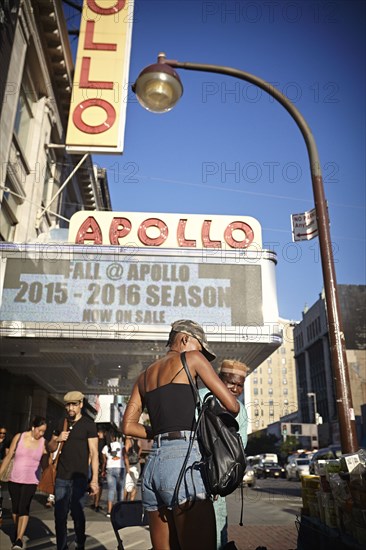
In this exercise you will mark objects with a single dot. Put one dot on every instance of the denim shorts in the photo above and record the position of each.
(161, 472)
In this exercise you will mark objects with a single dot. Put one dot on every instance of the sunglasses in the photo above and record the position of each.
(2, 433)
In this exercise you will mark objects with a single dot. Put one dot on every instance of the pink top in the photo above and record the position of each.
(27, 463)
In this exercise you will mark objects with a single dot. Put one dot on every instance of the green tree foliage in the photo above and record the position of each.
(261, 443)
(289, 446)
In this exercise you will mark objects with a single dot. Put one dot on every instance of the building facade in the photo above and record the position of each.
(316, 389)
(271, 390)
(41, 185)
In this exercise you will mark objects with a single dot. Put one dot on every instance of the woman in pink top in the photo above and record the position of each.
(29, 447)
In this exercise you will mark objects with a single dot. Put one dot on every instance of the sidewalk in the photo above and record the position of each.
(273, 537)
(100, 535)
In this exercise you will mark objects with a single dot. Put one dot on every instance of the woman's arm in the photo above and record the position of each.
(199, 365)
(130, 424)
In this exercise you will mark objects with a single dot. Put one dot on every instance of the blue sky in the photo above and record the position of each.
(228, 148)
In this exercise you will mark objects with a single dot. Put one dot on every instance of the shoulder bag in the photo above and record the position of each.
(133, 456)
(48, 478)
(6, 473)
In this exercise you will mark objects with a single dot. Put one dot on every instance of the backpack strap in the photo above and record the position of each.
(194, 435)
(189, 376)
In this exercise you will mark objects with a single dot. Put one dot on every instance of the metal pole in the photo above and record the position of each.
(346, 416)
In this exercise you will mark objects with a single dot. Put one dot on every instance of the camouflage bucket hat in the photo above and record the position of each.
(194, 329)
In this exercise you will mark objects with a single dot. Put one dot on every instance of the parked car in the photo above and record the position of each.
(327, 453)
(269, 469)
(297, 467)
(249, 478)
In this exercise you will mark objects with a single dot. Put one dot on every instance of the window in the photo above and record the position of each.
(283, 350)
(284, 381)
(7, 223)
(284, 370)
(24, 115)
(255, 391)
(283, 360)
(255, 380)
(269, 381)
(8, 219)
(285, 391)
(269, 370)
(270, 391)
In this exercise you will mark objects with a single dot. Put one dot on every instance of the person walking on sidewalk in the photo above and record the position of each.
(233, 374)
(80, 444)
(115, 469)
(166, 392)
(133, 468)
(101, 472)
(28, 449)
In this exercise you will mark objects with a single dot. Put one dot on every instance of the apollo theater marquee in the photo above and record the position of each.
(101, 305)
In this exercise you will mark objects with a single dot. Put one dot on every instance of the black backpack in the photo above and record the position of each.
(223, 455)
(222, 448)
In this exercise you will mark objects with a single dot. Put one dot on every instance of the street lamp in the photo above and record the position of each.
(158, 88)
(315, 407)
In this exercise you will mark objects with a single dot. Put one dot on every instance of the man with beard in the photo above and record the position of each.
(79, 443)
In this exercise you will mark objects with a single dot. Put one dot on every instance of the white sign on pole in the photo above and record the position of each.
(304, 226)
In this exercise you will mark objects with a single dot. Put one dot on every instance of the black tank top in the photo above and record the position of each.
(171, 407)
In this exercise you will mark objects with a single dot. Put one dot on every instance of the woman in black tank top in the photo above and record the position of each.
(165, 391)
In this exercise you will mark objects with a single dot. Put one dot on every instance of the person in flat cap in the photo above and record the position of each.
(164, 389)
(233, 374)
(77, 433)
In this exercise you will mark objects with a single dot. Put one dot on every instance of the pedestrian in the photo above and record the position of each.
(4, 443)
(233, 374)
(167, 394)
(133, 468)
(28, 449)
(101, 472)
(4, 449)
(80, 446)
(115, 469)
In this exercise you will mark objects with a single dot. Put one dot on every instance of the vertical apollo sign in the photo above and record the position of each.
(99, 99)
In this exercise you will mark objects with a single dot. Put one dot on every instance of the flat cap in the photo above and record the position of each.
(194, 329)
(234, 367)
(73, 396)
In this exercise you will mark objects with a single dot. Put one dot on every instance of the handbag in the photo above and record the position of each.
(48, 478)
(6, 473)
(133, 456)
(223, 457)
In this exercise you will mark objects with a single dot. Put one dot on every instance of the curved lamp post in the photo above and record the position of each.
(158, 88)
